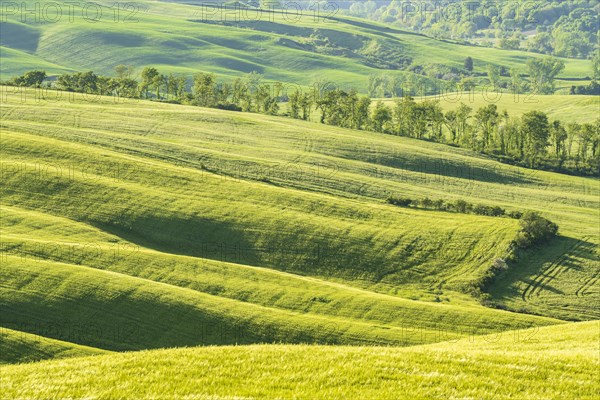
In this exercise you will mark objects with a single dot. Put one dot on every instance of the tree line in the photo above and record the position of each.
(532, 140)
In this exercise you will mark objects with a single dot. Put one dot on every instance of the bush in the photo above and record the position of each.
(402, 201)
(426, 202)
(534, 230)
(228, 107)
(515, 214)
(438, 204)
(461, 206)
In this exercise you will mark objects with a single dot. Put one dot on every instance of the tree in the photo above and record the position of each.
(434, 118)
(469, 64)
(596, 66)
(543, 72)
(467, 84)
(294, 104)
(306, 106)
(149, 75)
(204, 89)
(585, 139)
(463, 113)
(515, 81)
(512, 43)
(124, 71)
(362, 111)
(535, 229)
(487, 120)
(572, 132)
(558, 135)
(494, 75)
(541, 43)
(176, 86)
(381, 117)
(158, 82)
(451, 122)
(536, 131)
(30, 78)
(403, 115)
(104, 85)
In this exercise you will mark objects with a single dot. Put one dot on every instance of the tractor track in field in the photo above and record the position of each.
(551, 272)
(589, 283)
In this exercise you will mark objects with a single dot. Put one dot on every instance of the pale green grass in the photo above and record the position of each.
(562, 107)
(20, 347)
(190, 169)
(173, 38)
(550, 363)
(353, 315)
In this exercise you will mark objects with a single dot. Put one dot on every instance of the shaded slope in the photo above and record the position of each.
(19, 347)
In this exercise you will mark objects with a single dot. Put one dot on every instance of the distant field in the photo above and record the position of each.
(566, 108)
(552, 362)
(282, 47)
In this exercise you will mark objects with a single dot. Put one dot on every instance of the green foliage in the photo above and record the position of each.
(30, 79)
(535, 230)
(566, 29)
(535, 130)
(469, 64)
(543, 73)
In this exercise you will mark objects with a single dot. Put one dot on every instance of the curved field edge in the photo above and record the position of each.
(366, 167)
(22, 347)
(119, 312)
(516, 364)
(272, 48)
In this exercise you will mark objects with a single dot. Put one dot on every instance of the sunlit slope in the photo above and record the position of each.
(187, 39)
(19, 347)
(201, 168)
(186, 210)
(552, 362)
(208, 301)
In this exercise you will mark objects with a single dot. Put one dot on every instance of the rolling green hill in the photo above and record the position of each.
(20, 347)
(157, 250)
(297, 49)
(140, 225)
(156, 233)
(550, 362)
(248, 190)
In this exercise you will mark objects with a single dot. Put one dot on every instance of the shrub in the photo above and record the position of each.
(402, 201)
(426, 202)
(228, 107)
(535, 229)
(461, 206)
(438, 204)
(515, 214)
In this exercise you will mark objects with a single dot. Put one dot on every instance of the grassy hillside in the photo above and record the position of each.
(293, 196)
(552, 362)
(293, 49)
(242, 304)
(566, 108)
(20, 347)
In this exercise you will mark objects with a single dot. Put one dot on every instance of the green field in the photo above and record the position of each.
(20, 347)
(165, 251)
(518, 364)
(566, 108)
(283, 47)
(143, 225)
